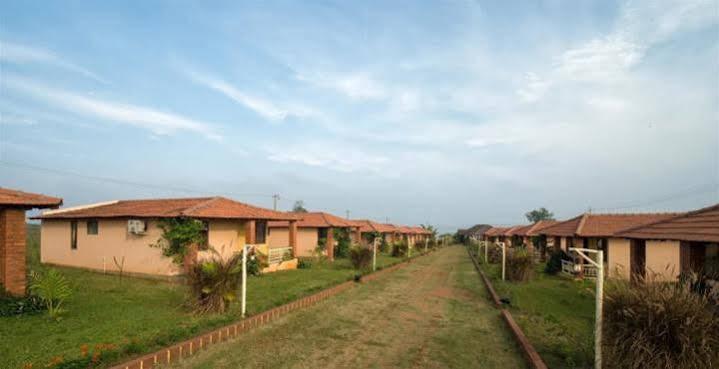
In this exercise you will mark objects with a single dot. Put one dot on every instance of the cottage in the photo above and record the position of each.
(475, 232)
(494, 234)
(511, 237)
(598, 231)
(105, 236)
(314, 228)
(369, 230)
(665, 248)
(529, 235)
(13, 205)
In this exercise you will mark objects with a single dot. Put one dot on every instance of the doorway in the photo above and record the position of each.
(638, 260)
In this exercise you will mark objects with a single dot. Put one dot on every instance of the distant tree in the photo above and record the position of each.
(539, 214)
(430, 228)
(299, 207)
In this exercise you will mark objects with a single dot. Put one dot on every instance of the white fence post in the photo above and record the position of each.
(244, 280)
(374, 255)
(504, 260)
(599, 264)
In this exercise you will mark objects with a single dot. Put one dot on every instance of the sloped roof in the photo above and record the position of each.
(495, 231)
(316, 219)
(200, 207)
(477, 230)
(602, 225)
(700, 225)
(22, 199)
(511, 231)
(520, 230)
(539, 226)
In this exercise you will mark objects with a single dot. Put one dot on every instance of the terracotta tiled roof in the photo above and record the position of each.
(387, 228)
(22, 199)
(202, 207)
(511, 231)
(316, 220)
(539, 226)
(476, 230)
(700, 225)
(605, 225)
(565, 228)
(522, 230)
(495, 231)
(602, 225)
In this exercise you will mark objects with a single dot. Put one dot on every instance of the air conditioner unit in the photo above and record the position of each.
(136, 226)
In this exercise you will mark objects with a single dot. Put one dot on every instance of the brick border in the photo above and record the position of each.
(191, 346)
(530, 353)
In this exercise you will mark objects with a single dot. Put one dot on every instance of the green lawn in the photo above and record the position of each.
(140, 315)
(556, 314)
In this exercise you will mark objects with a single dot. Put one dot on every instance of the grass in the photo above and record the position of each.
(140, 315)
(430, 314)
(555, 312)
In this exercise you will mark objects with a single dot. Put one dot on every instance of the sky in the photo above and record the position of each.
(448, 113)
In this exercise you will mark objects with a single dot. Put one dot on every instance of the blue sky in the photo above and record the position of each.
(449, 113)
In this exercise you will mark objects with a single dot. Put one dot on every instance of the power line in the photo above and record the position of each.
(123, 181)
(691, 191)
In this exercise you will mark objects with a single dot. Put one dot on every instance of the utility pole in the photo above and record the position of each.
(275, 197)
(348, 213)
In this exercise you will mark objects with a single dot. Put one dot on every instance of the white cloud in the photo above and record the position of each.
(600, 60)
(263, 107)
(534, 88)
(21, 54)
(328, 156)
(357, 86)
(156, 121)
(11, 118)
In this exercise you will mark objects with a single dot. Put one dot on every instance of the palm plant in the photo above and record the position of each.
(53, 289)
(214, 283)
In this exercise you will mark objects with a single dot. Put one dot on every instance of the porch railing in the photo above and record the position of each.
(590, 271)
(276, 255)
(567, 267)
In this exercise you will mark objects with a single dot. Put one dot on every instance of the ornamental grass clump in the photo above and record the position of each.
(519, 265)
(659, 325)
(360, 257)
(53, 289)
(214, 283)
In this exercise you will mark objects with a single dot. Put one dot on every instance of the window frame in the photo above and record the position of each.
(73, 235)
(96, 228)
(260, 231)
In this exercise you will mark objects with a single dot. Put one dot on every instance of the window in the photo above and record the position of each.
(92, 227)
(73, 235)
(260, 231)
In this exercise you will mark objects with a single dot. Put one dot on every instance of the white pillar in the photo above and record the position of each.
(244, 280)
(504, 260)
(598, 312)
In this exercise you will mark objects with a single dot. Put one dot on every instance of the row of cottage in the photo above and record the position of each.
(658, 246)
(96, 236)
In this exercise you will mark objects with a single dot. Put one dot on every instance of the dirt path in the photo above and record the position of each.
(430, 314)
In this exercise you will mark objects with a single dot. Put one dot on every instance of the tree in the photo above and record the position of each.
(430, 228)
(299, 207)
(539, 214)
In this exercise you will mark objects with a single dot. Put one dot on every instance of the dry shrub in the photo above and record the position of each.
(659, 325)
(360, 257)
(494, 254)
(519, 265)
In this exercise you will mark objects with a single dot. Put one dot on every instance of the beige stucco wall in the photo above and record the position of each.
(97, 251)
(662, 260)
(225, 236)
(306, 239)
(563, 243)
(619, 262)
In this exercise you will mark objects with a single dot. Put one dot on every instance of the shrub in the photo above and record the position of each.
(360, 257)
(214, 283)
(52, 288)
(343, 243)
(399, 249)
(519, 265)
(178, 234)
(554, 264)
(494, 254)
(383, 245)
(304, 263)
(10, 305)
(659, 325)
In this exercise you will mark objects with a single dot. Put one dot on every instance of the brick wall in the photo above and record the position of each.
(12, 250)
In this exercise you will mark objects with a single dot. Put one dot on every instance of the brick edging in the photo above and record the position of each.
(191, 346)
(530, 353)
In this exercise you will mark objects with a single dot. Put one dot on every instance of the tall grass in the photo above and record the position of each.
(659, 325)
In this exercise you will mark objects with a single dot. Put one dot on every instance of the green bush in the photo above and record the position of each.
(10, 305)
(659, 325)
(519, 265)
(360, 257)
(214, 283)
(343, 243)
(53, 289)
(383, 245)
(304, 262)
(178, 234)
(399, 249)
(554, 264)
